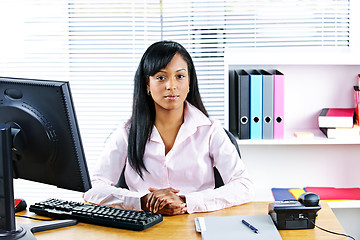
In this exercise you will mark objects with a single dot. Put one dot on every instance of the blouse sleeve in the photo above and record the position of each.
(110, 165)
(237, 189)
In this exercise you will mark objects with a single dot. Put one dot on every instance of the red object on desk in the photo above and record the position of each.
(331, 193)
(19, 204)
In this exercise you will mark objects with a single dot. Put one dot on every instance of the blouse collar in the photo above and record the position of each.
(193, 118)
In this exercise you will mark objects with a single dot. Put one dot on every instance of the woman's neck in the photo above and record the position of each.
(169, 119)
(168, 124)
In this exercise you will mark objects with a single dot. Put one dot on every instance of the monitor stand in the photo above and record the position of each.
(8, 228)
(25, 231)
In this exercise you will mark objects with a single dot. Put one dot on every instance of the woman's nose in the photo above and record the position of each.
(171, 84)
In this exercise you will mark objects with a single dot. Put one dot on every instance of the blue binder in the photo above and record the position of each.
(256, 105)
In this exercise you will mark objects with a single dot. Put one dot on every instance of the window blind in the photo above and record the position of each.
(97, 45)
(288, 23)
(33, 39)
(199, 26)
(106, 42)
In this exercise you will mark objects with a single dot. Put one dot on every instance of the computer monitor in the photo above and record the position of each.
(40, 141)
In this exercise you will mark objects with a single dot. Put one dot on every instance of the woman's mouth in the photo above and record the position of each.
(171, 97)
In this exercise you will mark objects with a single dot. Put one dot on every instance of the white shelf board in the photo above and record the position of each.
(289, 139)
(344, 203)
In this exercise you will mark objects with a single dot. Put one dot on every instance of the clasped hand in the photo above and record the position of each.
(164, 201)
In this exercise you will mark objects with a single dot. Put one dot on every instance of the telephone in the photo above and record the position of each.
(295, 214)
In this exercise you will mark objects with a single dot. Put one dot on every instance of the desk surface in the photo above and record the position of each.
(183, 227)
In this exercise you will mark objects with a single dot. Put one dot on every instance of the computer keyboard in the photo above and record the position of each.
(96, 214)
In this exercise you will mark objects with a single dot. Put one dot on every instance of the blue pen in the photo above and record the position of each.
(250, 226)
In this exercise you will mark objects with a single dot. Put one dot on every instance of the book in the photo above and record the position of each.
(279, 90)
(243, 83)
(336, 117)
(344, 133)
(357, 103)
(268, 105)
(231, 227)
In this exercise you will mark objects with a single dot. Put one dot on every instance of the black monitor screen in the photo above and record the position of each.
(40, 141)
(46, 144)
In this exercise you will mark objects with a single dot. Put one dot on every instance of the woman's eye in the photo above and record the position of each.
(160, 78)
(180, 76)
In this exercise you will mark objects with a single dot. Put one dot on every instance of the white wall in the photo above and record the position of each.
(299, 166)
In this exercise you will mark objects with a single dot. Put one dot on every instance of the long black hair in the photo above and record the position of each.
(142, 121)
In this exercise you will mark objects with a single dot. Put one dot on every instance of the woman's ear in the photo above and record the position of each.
(148, 88)
(147, 83)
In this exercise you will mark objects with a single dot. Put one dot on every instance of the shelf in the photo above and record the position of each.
(289, 139)
(313, 81)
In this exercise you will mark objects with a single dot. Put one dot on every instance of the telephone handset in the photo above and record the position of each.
(309, 199)
(295, 214)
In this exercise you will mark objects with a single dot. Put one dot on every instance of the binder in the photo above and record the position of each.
(268, 106)
(233, 107)
(331, 193)
(279, 90)
(284, 194)
(255, 105)
(243, 83)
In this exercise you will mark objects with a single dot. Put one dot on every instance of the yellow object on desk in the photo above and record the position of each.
(304, 134)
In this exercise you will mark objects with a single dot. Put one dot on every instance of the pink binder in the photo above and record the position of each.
(278, 105)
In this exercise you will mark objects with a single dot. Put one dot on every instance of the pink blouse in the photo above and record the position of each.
(201, 144)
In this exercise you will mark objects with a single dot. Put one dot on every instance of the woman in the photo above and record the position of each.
(169, 146)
